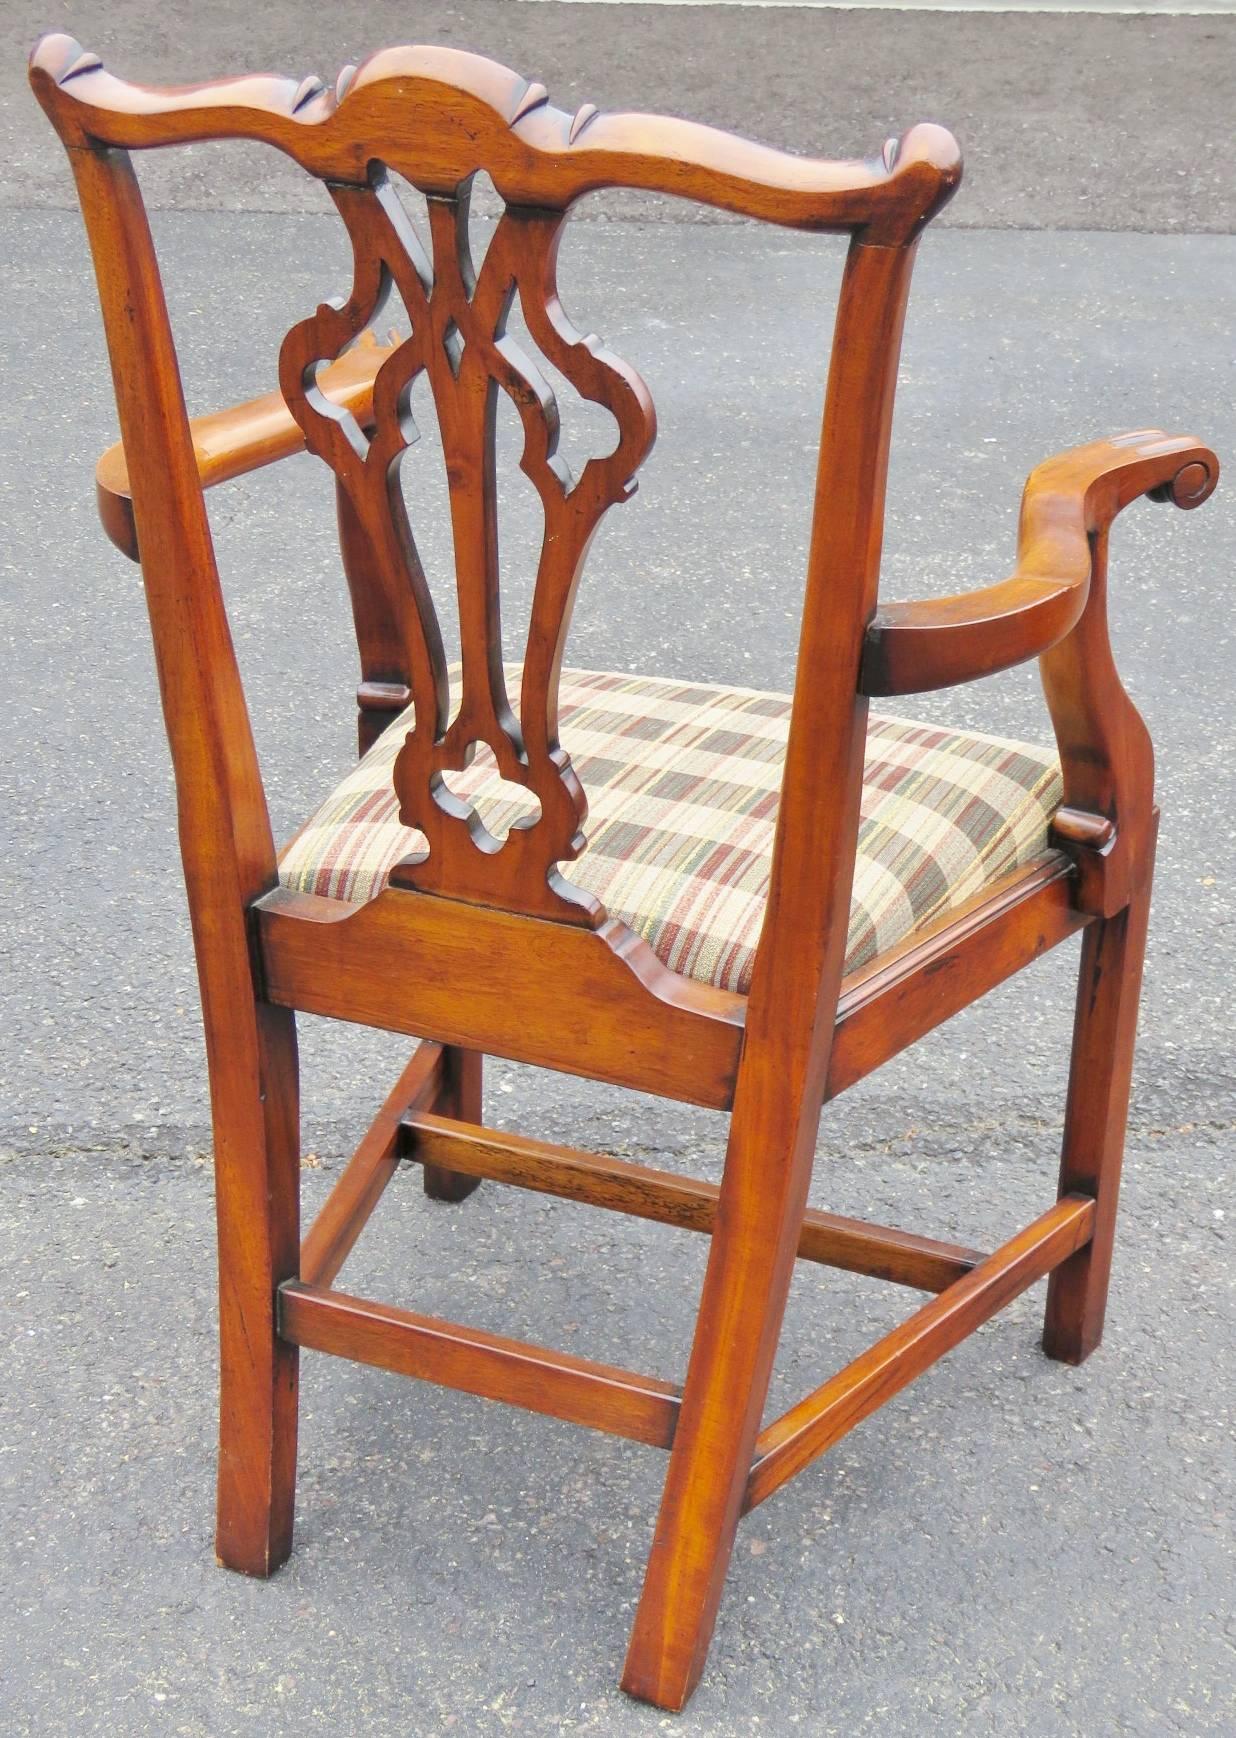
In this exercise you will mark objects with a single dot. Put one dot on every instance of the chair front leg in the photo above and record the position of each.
(255, 1101)
(763, 1199)
(1095, 1119)
(459, 1097)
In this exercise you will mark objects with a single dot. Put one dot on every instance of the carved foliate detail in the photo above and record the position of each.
(459, 342)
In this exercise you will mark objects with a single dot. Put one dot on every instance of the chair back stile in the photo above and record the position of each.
(798, 967)
(225, 834)
(441, 117)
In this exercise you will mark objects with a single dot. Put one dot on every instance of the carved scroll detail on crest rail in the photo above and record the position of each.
(459, 342)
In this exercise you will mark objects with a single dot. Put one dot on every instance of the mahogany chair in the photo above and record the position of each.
(778, 896)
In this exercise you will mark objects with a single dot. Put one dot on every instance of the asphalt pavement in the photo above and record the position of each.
(1011, 1546)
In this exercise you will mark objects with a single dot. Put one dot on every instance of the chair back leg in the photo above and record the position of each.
(255, 1102)
(1096, 1115)
(759, 1220)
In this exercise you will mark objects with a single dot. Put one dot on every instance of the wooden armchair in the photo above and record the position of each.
(774, 895)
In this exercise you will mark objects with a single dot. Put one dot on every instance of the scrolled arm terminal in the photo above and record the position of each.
(912, 648)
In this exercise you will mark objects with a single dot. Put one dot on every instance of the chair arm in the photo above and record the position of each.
(913, 647)
(227, 443)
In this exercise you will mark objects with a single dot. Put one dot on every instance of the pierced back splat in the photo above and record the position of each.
(459, 342)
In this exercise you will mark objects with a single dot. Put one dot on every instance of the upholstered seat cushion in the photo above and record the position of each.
(682, 781)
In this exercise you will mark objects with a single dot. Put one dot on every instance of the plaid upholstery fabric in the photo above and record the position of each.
(683, 781)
